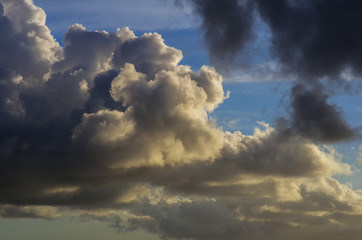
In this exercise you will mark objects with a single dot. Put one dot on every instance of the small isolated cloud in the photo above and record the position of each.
(313, 117)
(112, 128)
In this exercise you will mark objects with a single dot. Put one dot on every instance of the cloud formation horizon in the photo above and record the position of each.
(111, 127)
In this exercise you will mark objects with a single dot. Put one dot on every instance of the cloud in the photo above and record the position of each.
(302, 46)
(304, 39)
(302, 36)
(315, 118)
(226, 26)
(112, 128)
(157, 57)
(11, 211)
(316, 209)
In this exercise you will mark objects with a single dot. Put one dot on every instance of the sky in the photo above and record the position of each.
(180, 119)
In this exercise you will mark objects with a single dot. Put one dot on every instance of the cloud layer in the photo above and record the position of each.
(110, 127)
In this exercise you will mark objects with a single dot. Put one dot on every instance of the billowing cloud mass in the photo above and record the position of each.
(111, 127)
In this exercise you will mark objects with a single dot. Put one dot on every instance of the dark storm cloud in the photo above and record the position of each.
(315, 38)
(226, 26)
(313, 117)
(311, 39)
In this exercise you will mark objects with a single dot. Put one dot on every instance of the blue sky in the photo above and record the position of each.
(262, 100)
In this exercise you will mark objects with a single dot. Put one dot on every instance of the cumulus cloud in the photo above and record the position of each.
(111, 127)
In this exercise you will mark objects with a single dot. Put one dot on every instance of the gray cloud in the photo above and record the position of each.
(44, 212)
(226, 25)
(314, 208)
(309, 38)
(306, 37)
(111, 127)
(307, 42)
(313, 117)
